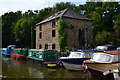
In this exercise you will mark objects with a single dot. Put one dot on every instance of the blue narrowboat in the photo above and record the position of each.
(75, 59)
(7, 51)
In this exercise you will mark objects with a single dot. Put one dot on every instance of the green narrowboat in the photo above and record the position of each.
(47, 57)
(19, 53)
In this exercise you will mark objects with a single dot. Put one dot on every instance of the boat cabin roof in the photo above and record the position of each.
(4, 48)
(37, 49)
(116, 52)
(40, 50)
(113, 52)
(86, 51)
(106, 47)
(20, 49)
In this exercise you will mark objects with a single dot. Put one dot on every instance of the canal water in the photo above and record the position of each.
(26, 69)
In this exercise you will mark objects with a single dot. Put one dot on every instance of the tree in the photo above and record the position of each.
(103, 37)
(60, 6)
(117, 24)
(8, 21)
(116, 34)
(22, 29)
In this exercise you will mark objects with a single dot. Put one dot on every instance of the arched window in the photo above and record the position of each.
(53, 33)
(40, 28)
(53, 46)
(40, 35)
(53, 24)
(46, 46)
(40, 46)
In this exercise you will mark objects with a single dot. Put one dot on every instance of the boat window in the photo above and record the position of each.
(40, 55)
(101, 57)
(79, 55)
(116, 58)
(75, 55)
(30, 53)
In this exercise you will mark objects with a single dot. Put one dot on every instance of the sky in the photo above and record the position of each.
(25, 5)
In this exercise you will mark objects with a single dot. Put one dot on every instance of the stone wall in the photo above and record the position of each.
(47, 36)
(72, 29)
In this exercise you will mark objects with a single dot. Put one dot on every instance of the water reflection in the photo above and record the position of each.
(35, 73)
(25, 69)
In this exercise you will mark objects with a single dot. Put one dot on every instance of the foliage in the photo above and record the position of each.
(103, 38)
(22, 29)
(8, 21)
(16, 26)
(60, 6)
(117, 24)
(62, 34)
(70, 48)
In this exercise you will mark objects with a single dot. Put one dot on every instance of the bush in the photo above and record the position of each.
(103, 38)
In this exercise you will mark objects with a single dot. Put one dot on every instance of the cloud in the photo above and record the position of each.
(24, 5)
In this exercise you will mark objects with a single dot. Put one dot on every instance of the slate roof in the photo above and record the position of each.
(65, 13)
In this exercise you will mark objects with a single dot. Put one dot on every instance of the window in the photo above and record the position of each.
(101, 57)
(40, 35)
(30, 53)
(40, 55)
(46, 46)
(40, 28)
(53, 24)
(81, 36)
(53, 46)
(53, 33)
(40, 46)
(75, 55)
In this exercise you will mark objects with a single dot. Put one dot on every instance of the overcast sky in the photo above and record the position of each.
(24, 5)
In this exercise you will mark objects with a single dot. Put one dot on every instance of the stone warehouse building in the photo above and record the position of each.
(78, 29)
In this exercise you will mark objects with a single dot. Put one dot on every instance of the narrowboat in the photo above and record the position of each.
(75, 59)
(45, 57)
(19, 53)
(102, 62)
(7, 51)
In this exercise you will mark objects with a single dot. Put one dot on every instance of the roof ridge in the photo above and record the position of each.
(65, 10)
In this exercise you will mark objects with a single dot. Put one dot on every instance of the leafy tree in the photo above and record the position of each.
(8, 21)
(116, 34)
(103, 37)
(117, 24)
(16, 27)
(22, 29)
(60, 6)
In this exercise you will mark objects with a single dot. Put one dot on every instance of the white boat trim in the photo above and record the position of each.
(69, 66)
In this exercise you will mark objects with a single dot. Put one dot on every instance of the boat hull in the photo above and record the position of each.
(97, 69)
(74, 63)
(99, 74)
(18, 56)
